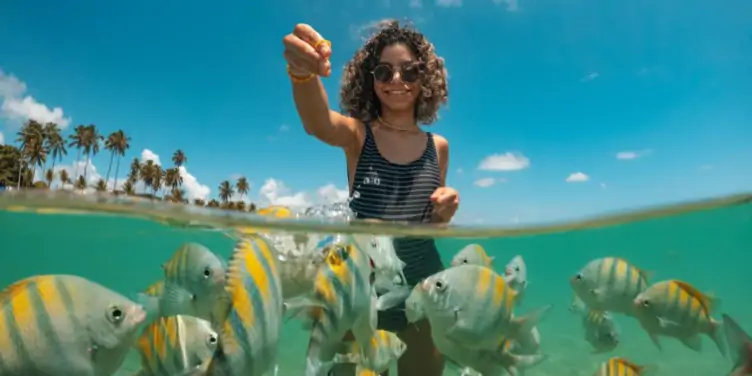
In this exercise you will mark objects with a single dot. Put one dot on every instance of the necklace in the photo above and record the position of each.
(396, 128)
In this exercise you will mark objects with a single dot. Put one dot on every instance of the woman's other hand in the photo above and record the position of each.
(307, 52)
(445, 200)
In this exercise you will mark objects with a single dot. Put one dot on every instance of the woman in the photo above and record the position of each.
(396, 171)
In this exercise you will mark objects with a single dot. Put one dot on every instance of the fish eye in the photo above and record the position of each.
(578, 277)
(646, 303)
(516, 268)
(211, 340)
(374, 243)
(440, 285)
(115, 314)
(465, 261)
(208, 272)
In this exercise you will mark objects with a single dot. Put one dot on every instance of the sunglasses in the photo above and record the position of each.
(409, 73)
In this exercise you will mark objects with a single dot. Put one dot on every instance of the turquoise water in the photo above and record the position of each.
(710, 248)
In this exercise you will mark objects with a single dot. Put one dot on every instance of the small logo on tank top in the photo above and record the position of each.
(372, 178)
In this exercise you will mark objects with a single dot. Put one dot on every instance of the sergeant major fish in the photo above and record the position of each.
(194, 278)
(515, 273)
(677, 309)
(473, 254)
(609, 284)
(622, 367)
(176, 346)
(475, 306)
(343, 288)
(65, 325)
(601, 331)
(248, 317)
(383, 350)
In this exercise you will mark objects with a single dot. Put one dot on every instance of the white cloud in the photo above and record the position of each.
(591, 76)
(449, 3)
(631, 154)
(504, 162)
(18, 106)
(577, 177)
(2, 139)
(148, 155)
(275, 192)
(485, 182)
(193, 189)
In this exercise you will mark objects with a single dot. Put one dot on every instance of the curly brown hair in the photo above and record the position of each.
(357, 96)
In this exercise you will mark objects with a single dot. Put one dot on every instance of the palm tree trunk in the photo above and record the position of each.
(109, 168)
(20, 171)
(78, 159)
(117, 168)
(86, 168)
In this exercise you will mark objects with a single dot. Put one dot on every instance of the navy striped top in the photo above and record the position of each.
(399, 192)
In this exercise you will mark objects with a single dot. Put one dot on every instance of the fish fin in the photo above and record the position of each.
(525, 323)
(708, 301)
(656, 341)
(647, 370)
(694, 342)
(462, 331)
(294, 306)
(577, 306)
(666, 323)
(393, 298)
(715, 335)
(176, 300)
(351, 358)
(467, 371)
(739, 342)
(520, 362)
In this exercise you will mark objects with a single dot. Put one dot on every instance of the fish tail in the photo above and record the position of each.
(524, 324)
(715, 335)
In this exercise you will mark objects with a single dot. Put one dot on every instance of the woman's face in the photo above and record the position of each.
(398, 94)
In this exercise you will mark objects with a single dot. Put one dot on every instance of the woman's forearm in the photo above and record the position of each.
(313, 106)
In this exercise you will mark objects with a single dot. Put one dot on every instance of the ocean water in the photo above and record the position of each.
(707, 245)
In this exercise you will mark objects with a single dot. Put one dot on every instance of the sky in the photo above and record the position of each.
(557, 109)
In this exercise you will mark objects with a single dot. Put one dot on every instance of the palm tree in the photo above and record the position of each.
(81, 183)
(117, 143)
(172, 178)
(157, 179)
(213, 203)
(129, 188)
(242, 186)
(101, 185)
(31, 140)
(49, 176)
(251, 207)
(146, 172)
(199, 202)
(64, 177)
(55, 143)
(179, 158)
(225, 191)
(92, 140)
(177, 195)
(135, 171)
(77, 141)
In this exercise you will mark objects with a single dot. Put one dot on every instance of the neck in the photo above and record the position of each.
(404, 120)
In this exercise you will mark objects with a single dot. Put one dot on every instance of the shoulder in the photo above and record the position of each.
(441, 143)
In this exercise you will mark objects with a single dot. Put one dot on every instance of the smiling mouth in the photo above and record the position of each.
(399, 92)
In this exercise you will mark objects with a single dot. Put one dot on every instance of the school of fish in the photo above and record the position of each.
(211, 316)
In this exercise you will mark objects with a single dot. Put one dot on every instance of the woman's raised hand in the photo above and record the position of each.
(307, 52)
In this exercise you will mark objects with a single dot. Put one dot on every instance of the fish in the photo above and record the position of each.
(740, 345)
(176, 346)
(601, 330)
(475, 306)
(248, 317)
(194, 277)
(389, 279)
(515, 273)
(473, 254)
(275, 211)
(500, 361)
(622, 367)
(610, 284)
(677, 309)
(382, 351)
(65, 325)
(343, 289)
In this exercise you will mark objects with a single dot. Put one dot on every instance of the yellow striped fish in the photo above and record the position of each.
(65, 325)
(176, 346)
(677, 309)
(473, 305)
(194, 278)
(499, 361)
(473, 254)
(343, 287)
(621, 367)
(249, 317)
(610, 284)
(383, 350)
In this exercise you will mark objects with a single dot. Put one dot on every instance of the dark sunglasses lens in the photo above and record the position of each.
(410, 73)
(383, 73)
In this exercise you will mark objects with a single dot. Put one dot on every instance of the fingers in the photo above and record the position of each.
(306, 50)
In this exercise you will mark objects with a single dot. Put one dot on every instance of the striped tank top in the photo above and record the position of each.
(399, 192)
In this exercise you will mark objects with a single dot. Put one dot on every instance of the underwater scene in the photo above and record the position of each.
(166, 289)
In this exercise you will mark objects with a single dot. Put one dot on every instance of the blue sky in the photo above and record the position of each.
(551, 87)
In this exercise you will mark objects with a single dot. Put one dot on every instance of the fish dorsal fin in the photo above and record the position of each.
(10, 291)
(638, 368)
(707, 302)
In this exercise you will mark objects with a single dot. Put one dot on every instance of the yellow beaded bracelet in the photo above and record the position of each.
(297, 79)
